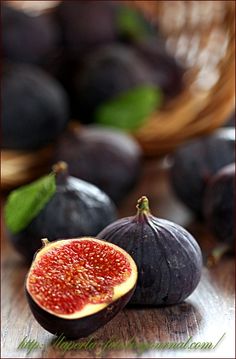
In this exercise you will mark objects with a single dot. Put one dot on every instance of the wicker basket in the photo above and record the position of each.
(201, 36)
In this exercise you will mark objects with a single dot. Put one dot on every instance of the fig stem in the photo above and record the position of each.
(143, 205)
(45, 242)
(60, 169)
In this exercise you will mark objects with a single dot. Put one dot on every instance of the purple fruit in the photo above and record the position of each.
(86, 24)
(34, 107)
(168, 258)
(196, 162)
(219, 205)
(104, 74)
(27, 38)
(107, 158)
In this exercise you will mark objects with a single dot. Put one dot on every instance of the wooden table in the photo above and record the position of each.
(206, 315)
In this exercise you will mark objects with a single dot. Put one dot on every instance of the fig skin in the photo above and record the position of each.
(85, 25)
(109, 159)
(35, 107)
(83, 326)
(105, 73)
(166, 72)
(168, 258)
(76, 209)
(28, 39)
(77, 328)
(196, 162)
(219, 205)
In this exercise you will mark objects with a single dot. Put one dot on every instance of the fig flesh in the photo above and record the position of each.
(74, 208)
(168, 258)
(76, 286)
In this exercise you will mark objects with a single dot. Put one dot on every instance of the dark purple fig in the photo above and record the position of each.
(27, 38)
(107, 158)
(219, 205)
(85, 25)
(168, 258)
(34, 107)
(196, 162)
(166, 72)
(104, 74)
(75, 286)
(55, 206)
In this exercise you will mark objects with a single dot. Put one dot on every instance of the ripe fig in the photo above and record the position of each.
(115, 156)
(27, 38)
(167, 73)
(219, 202)
(168, 258)
(196, 162)
(105, 73)
(55, 206)
(85, 25)
(34, 107)
(75, 286)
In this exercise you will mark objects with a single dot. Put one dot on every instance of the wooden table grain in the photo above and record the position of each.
(206, 316)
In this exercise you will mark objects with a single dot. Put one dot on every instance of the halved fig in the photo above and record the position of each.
(76, 286)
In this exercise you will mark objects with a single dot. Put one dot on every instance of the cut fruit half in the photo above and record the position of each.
(75, 286)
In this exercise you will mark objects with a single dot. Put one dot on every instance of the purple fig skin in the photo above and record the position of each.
(76, 209)
(85, 25)
(219, 205)
(110, 159)
(77, 328)
(168, 258)
(196, 162)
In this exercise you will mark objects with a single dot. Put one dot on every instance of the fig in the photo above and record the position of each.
(85, 25)
(34, 107)
(75, 286)
(166, 72)
(105, 73)
(219, 202)
(27, 38)
(168, 258)
(196, 162)
(55, 206)
(109, 159)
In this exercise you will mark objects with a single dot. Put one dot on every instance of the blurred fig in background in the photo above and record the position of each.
(196, 162)
(219, 205)
(104, 74)
(34, 107)
(109, 159)
(85, 24)
(167, 74)
(27, 38)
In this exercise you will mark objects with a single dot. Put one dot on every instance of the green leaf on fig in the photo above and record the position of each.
(24, 203)
(129, 110)
(131, 23)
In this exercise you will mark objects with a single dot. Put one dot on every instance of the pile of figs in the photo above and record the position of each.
(202, 174)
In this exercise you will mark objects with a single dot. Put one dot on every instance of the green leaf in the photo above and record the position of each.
(129, 110)
(131, 23)
(24, 203)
